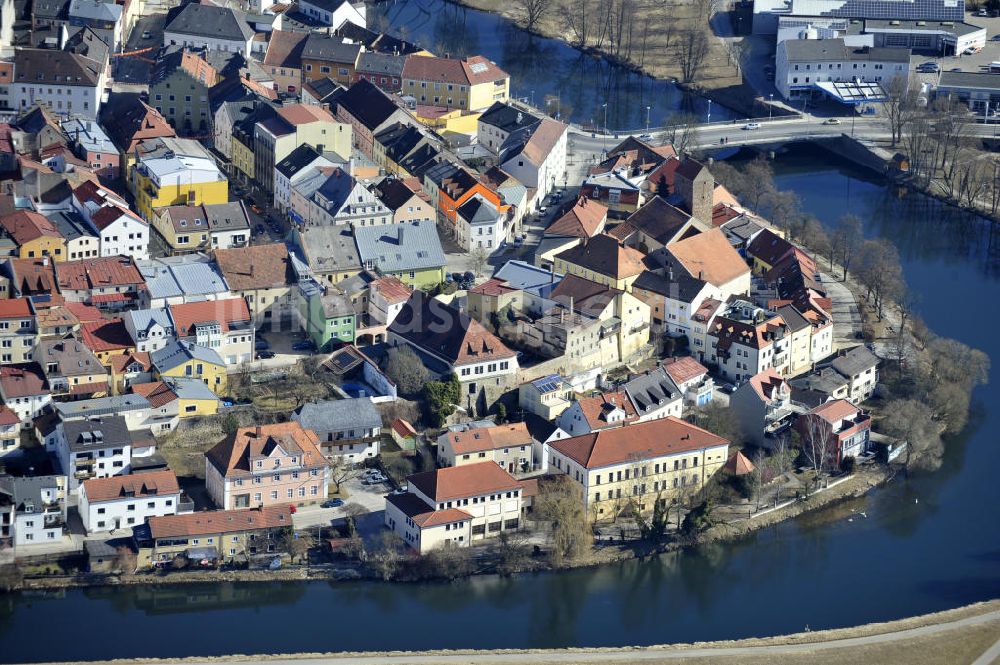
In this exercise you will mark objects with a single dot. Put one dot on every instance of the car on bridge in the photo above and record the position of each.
(751, 126)
(832, 121)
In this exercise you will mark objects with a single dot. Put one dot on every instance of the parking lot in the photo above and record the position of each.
(369, 497)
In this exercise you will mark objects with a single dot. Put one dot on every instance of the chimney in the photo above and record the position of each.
(258, 432)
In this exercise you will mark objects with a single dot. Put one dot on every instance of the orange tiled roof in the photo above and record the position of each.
(234, 455)
(220, 521)
(136, 485)
(459, 482)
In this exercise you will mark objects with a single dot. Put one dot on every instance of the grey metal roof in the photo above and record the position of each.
(210, 22)
(179, 352)
(330, 248)
(793, 318)
(230, 216)
(651, 391)
(857, 360)
(338, 415)
(825, 381)
(400, 247)
(478, 211)
(101, 406)
(965, 80)
(506, 117)
(192, 274)
(144, 319)
(190, 388)
(96, 433)
(528, 277)
(958, 28)
(95, 10)
(824, 50)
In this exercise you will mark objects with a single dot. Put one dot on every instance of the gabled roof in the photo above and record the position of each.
(234, 456)
(304, 114)
(446, 332)
(709, 256)
(854, 361)
(36, 66)
(835, 410)
(179, 352)
(393, 193)
(597, 409)
(489, 438)
(583, 220)
(104, 272)
(533, 143)
(367, 104)
(380, 63)
(284, 48)
(400, 247)
(25, 226)
(738, 464)
(209, 22)
(460, 482)
(470, 71)
(255, 267)
(651, 390)
(225, 312)
(506, 118)
(330, 49)
(110, 335)
(583, 295)
(358, 413)
(425, 516)
(606, 256)
(683, 369)
(220, 521)
(638, 441)
(769, 247)
(657, 219)
(70, 355)
(128, 120)
(22, 380)
(768, 385)
(131, 486)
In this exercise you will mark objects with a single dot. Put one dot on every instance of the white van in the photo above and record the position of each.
(995, 67)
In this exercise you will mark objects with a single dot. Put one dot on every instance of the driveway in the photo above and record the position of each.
(369, 497)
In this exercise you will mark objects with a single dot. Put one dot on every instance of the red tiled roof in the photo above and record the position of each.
(88, 388)
(121, 361)
(595, 409)
(709, 257)
(158, 393)
(255, 267)
(583, 220)
(136, 485)
(224, 312)
(403, 428)
(392, 289)
(449, 70)
(22, 380)
(493, 287)
(605, 255)
(738, 464)
(835, 410)
(301, 114)
(618, 445)
(106, 335)
(7, 416)
(12, 308)
(99, 273)
(85, 313)
(220, 521)
(27, 225)
(111, 297)
(232, 456)
(766, 383)
(458, 482)
(682, 370)
(489, 438)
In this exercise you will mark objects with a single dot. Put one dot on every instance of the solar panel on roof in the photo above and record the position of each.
(478, 67)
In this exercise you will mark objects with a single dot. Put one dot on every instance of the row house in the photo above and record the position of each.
(108, 504)
(471, 84)
(93, 145)
(330, 196)
(263, 276)
(509, 446)
(369, 111)
(98, 447)
(222, 325)
(267, 466)
(300, 163)
(18, 330)
(72, 371)
(111, 283)
(745, 340)
(121, 232)
(276, 137)
(634, 466)
(173, 280)
(457, 505)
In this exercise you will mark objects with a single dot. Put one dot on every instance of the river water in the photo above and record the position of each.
(928, 543)
(541, 67)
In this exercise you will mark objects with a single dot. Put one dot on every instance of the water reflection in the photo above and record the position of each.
(578, 85)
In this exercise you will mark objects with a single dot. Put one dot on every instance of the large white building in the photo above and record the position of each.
(120, 230)
(107, 504)
(536, 156)
(456, 505)
(804, 67)
(65, 82)
(208, 26)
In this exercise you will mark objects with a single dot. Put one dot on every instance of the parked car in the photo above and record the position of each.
(332, 503)
(518, 241)
(304, 345)
(226, 403)
(929, 66)
(995, 38)
(727, 388)
(264, 355)
(146, 34)
(751, 126)
(645, 137)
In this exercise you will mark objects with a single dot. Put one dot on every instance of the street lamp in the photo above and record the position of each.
(770, 100)
(604, 143)
(647, 119)
(532, 99)
(709, 120)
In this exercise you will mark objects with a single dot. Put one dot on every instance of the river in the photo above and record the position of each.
(929, 543)
(541, 67)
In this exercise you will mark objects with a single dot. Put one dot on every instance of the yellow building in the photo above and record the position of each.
(176, 172)
(632, 467)
(184, 360)
(471, 84)
(602, 259)
(194, 398)
(242, 151)
(34, 235)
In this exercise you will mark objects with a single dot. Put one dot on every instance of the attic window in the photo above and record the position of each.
(184, 222)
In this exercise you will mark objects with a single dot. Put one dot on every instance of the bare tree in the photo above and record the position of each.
(900, 107)
(512, 552)
(816, 433)
(297, 545)
(386, 559)
(560, 502)
(758, 181)
(128, 561)
(691, 51)
(480, 258)
(532, 11)
(341, 471)
(880, 271)
(680, 131)
(405, 368)
(756, 480)
(847, 239)
(912, 422)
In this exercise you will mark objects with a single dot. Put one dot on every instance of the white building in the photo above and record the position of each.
(150, 329)
(95, 448)
(479, 225)
(335, 13)
(348, 429)
(457, 505)
(38, 508)
(25, 391)
(536, 156)
(497, 122)
(299, 164)
(65, 82)
(745, 340)
(108, 504)
(121, 231)
(208, 26)
(805, 67)
(330, 196)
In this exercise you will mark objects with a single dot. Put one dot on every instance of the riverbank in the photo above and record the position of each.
(960, 635)
(662, 26)
(854, 486)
